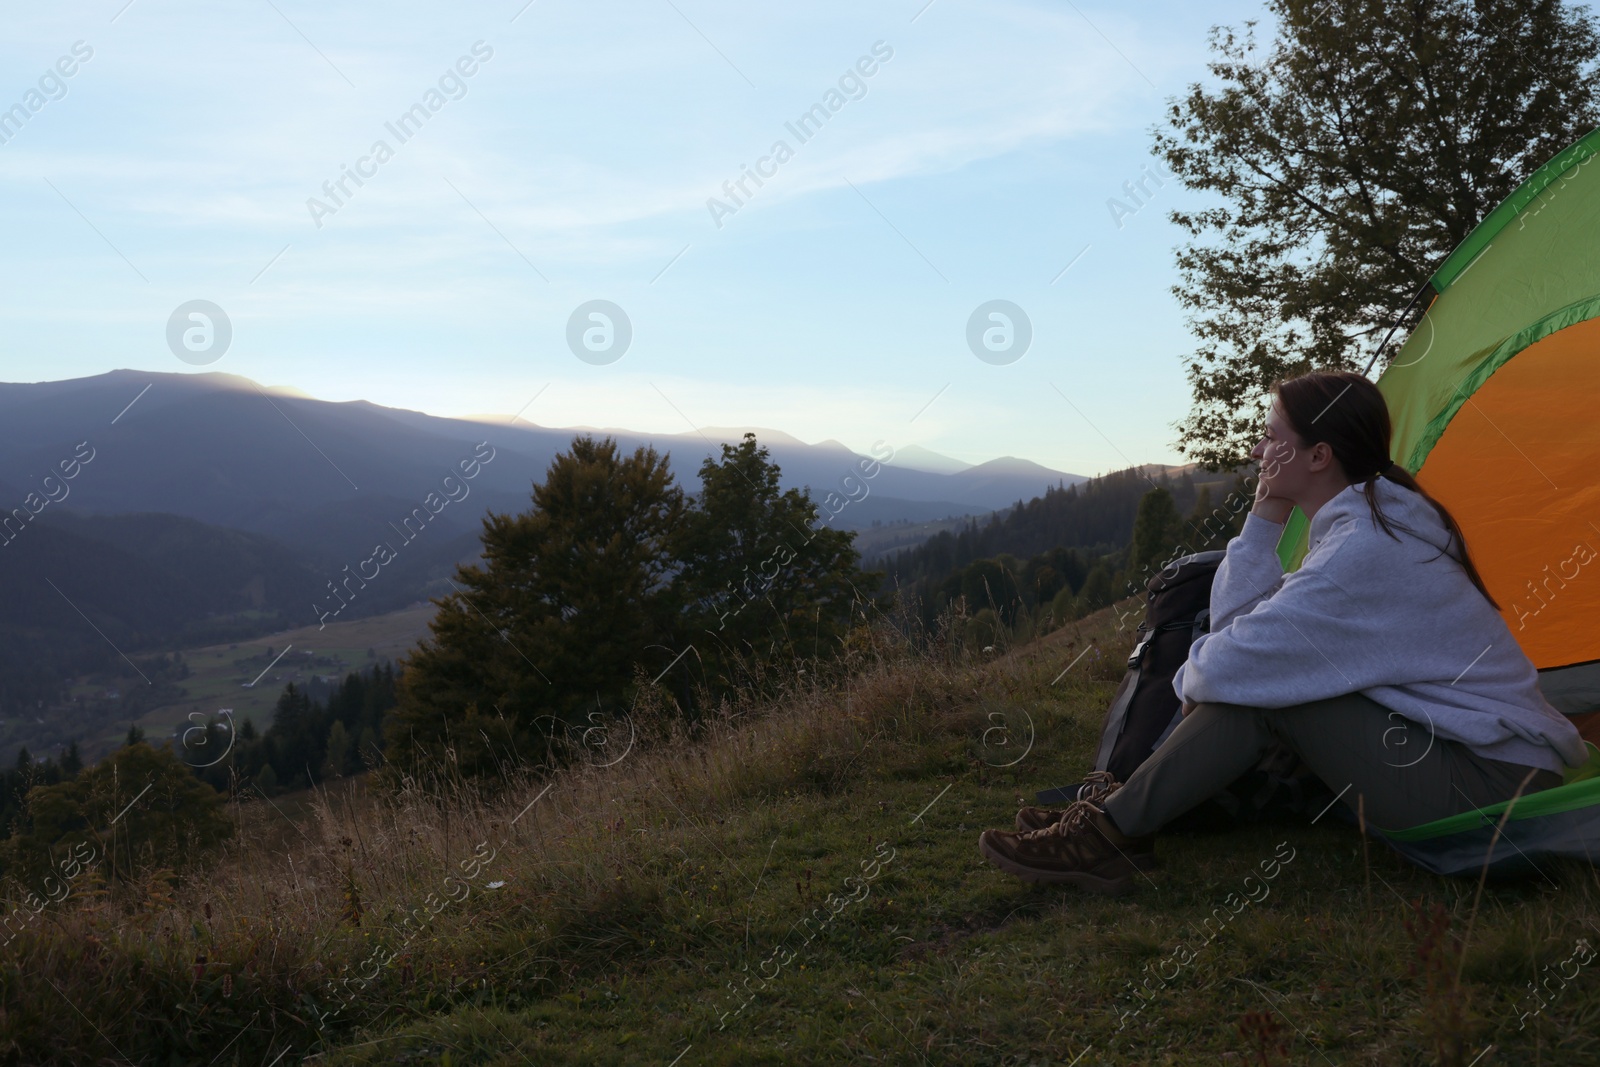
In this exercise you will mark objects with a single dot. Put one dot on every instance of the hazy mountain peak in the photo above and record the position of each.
(925, 459)
(1009, 465)
(764, 436)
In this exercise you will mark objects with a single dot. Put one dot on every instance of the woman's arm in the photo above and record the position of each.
(1250, 572)
(1307, 642)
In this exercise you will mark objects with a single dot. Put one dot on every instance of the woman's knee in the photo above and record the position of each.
(1218, 707)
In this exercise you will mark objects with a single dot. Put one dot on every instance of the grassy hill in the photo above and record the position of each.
(651, 905)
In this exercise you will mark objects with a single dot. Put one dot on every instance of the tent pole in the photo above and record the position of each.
(1397, 321)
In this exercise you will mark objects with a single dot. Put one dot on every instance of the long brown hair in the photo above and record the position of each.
(1349, 413)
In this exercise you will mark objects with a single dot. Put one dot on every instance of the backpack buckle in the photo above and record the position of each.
(1137, 654)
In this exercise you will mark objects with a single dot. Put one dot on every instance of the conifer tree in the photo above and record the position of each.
(1155, 533)
(764, 580)
(570, 595)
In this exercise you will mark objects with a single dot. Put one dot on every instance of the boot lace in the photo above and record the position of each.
(1098, 783)
(1076, 817)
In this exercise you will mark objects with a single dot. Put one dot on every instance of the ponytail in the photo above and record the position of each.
(1349, 413)
(1400, 476)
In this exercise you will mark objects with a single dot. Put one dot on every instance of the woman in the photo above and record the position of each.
(1383, 662)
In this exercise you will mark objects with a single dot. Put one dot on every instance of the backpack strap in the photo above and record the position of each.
(1117, 713)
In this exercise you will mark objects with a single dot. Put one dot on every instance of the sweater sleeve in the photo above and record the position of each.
(1249, 573)
(1284, 651)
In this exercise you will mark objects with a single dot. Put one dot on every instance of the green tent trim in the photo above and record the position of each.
(1580, 790)
(1556, 321)
(1576, 154)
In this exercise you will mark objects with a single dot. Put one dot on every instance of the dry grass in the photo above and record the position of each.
(241, 955)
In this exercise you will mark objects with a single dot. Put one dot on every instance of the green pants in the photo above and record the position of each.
(1407, 775)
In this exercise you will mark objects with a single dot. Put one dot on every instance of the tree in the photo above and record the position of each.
(140, 807)
(340, 752)
(367, 751)
(610, 578)
(760, 585)
(1097, 591)
(1063, 606)
(1156, 527)
(297, 738)
(986, 583)
(1041, 581)
(1072, 565)
(984, 630)
(570, 595)
(1350, 157)
(1211, 525)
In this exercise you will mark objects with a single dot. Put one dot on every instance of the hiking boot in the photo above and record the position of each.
(1096, 785)
(1083, 848)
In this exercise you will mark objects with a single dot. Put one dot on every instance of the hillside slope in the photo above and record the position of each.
(651, 907)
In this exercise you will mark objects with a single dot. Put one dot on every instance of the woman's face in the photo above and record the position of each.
(1281, 461)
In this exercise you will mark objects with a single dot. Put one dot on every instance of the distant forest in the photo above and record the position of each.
(150, 583)
(308, 742)
(1044, 553)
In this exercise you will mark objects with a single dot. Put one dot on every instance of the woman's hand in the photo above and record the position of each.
(1277, 455)
(1273, 508)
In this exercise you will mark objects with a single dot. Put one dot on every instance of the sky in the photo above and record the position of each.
(538, 157)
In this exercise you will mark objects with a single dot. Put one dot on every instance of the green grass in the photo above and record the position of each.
(639, 898)
(947, 960)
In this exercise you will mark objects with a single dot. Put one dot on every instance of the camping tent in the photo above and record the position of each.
(1495, 400)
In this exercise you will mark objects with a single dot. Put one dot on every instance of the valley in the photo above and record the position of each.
(218, 675)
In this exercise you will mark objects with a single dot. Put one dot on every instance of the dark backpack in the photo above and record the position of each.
(1144, 709)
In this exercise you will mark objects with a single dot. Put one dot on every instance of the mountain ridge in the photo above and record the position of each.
(222, 449)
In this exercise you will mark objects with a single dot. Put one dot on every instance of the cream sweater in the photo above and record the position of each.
(1371, 614)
